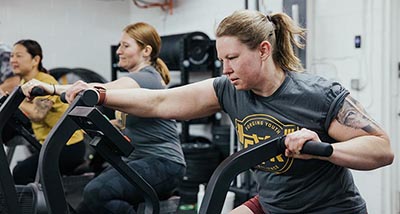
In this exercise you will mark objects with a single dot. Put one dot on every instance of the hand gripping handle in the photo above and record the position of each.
(311, 147)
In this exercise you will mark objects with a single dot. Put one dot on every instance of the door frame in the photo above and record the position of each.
(391, 44)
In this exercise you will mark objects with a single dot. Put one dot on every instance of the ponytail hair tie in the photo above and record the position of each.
(269, 18)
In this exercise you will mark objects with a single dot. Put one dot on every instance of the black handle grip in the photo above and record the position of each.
(37, 91)
(62, 97)
(317, 148)
(311, 147)
(88, 96)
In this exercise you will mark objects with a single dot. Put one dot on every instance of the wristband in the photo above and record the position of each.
(54, 90)
(102, 94)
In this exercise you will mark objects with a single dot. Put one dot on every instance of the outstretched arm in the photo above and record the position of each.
(9, 84)
(48, 88)
(78, 86)
(186, 102)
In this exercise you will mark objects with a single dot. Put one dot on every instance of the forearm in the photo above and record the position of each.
(362, 153)
(57, 89)
(31, 111)
(9, 84)
(165, 104)
(139, 102)
(50, 89)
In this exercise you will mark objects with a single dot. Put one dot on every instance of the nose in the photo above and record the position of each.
(119, 51)
(226, 68)
(12, 59)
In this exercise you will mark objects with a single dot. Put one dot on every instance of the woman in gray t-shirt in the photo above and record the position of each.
(266, 96)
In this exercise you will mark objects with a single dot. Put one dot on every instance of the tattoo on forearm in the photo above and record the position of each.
(42, 106)
(352, 114)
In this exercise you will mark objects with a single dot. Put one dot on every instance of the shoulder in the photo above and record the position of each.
(307, 78)
(148, 69)
(221, 82)
(47, 78)
(148, 77)
(320, 94)
(315, 84)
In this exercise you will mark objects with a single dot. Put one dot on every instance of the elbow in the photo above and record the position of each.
(37, 118)
(386, 156)
(382, 160)
(387, 159)
(171, 114)
(377, 162)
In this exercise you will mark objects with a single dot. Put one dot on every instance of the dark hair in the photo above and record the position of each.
(33, 49)
(253, 27)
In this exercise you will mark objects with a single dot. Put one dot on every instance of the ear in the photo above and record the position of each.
(265, 49)
(147, 50)
(36, 60)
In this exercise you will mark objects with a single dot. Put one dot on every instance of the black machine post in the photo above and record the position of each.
(6, 180)
(9, 114)
(111, 144)
(50, 154)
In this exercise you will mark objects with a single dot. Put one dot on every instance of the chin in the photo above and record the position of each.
(240, 88)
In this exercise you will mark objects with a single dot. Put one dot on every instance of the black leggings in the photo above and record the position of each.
(71, 156)
(111, 193)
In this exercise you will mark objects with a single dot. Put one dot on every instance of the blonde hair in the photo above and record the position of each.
(145, 34)
(253, 27)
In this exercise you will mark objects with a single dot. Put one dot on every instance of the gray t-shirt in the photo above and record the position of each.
(5, 67)
(288, 185)
(153, 136)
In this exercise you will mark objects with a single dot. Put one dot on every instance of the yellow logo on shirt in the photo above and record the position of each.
(261, 127)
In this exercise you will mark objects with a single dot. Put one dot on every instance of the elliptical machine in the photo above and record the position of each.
(107, 140)
(16, 198)
(26, 198)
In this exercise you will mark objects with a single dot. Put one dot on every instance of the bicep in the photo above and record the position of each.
(352, 121)
(121, 83)
(192, 101)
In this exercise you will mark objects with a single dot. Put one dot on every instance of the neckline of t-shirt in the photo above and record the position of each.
(278, 91)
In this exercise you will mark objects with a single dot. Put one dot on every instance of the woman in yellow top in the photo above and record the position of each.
(43, 111)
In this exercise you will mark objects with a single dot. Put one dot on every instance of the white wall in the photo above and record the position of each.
(188, 16)
(73, 33)
(78, 33)
(334, 26)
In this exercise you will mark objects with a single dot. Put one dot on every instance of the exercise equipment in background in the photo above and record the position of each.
(70, 75)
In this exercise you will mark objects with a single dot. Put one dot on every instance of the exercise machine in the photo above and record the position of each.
(107, 140)
(29, 198)
(15, 198)
(17, 131)
(245, 159)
